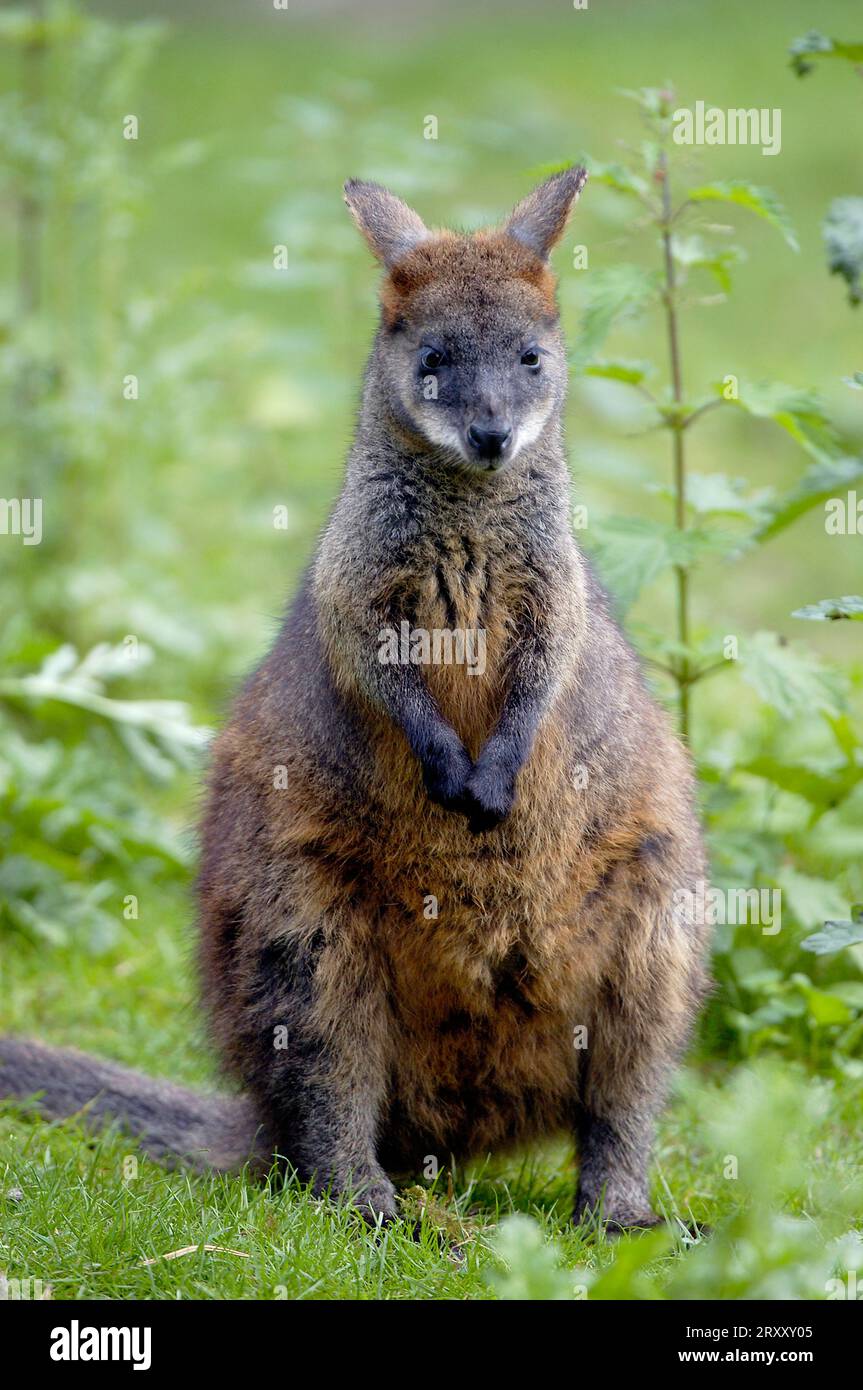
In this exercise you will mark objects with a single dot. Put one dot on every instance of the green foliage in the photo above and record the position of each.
(762, 201)
(77, 844)
(832, 609)
(815, 45)
(762, 797)
(531, 1268)
(837, 935)
(843, 240)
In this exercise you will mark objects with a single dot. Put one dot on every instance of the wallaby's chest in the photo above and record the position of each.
(469, 591)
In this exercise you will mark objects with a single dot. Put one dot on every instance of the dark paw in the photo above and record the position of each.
(613, 1222)
(376, 1202)
(445, 774)
(489, 796)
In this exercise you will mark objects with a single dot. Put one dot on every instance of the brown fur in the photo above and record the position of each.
(431, 1035)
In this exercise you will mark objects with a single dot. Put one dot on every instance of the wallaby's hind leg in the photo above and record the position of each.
(312, 1052)
(640, 1025)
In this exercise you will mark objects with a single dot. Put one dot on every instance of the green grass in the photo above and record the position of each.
(91, 1219)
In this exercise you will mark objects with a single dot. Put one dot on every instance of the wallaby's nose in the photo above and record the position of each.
(489, 444)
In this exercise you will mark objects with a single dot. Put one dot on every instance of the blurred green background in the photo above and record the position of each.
(153, 258)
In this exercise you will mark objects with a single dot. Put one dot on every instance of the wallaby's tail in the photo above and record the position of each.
(172, 1124)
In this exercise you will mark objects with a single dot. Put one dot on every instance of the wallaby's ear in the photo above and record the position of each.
(389, 226)
(539, 219)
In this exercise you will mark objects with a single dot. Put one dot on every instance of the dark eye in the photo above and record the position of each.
(430, 359)
(530, 358)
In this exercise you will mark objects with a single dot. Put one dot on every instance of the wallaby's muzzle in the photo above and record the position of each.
(489, 444)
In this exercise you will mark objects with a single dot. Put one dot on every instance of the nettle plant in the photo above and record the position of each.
(78, 760)
(782, 795)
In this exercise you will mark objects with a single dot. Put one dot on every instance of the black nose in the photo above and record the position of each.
(489, 444)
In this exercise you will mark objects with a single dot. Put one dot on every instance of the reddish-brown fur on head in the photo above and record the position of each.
(463, 263)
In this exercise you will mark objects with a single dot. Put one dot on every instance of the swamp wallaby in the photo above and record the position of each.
(438, 902)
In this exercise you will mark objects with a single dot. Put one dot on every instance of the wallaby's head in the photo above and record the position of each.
(471, 357)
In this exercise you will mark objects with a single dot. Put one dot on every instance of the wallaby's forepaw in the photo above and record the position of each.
(445, 774)
(489, 796)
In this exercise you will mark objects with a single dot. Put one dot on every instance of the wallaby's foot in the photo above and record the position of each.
(614, 1220)
(445, 773)
(489, 795)
(373, 1198)
(378, 1204)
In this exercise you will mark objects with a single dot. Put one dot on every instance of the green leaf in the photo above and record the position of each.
(825, 1009)
(615, 295)
(632, 372)
(693, 253)
(819, 483)
(762, 201)
(717, 493)
(823, 789)
(837, 935)
(801, 413)
(150, 728)
(809, 898)
(843, 241)
(631, 551)
(529, 1267)
(818, 45)
(830, 609)
(850, 992)
(789, 678)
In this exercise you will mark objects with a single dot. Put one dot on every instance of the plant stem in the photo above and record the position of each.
(677, 426)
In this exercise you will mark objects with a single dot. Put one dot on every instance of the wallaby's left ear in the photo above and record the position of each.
(540, 218)
(389, 226)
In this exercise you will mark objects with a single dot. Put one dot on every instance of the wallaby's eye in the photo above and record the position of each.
(530, 358)
(430, 359)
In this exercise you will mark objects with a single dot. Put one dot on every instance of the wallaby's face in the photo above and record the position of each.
(470, 352)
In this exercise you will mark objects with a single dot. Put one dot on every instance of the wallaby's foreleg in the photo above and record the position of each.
(315, 1044)
(534, 676)
(640, 1025)
(400, 691)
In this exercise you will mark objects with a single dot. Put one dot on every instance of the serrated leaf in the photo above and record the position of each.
(631, 551)
(762, 201)
(843, 241)
(831, 609)
(789, 678)
(614, 295)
